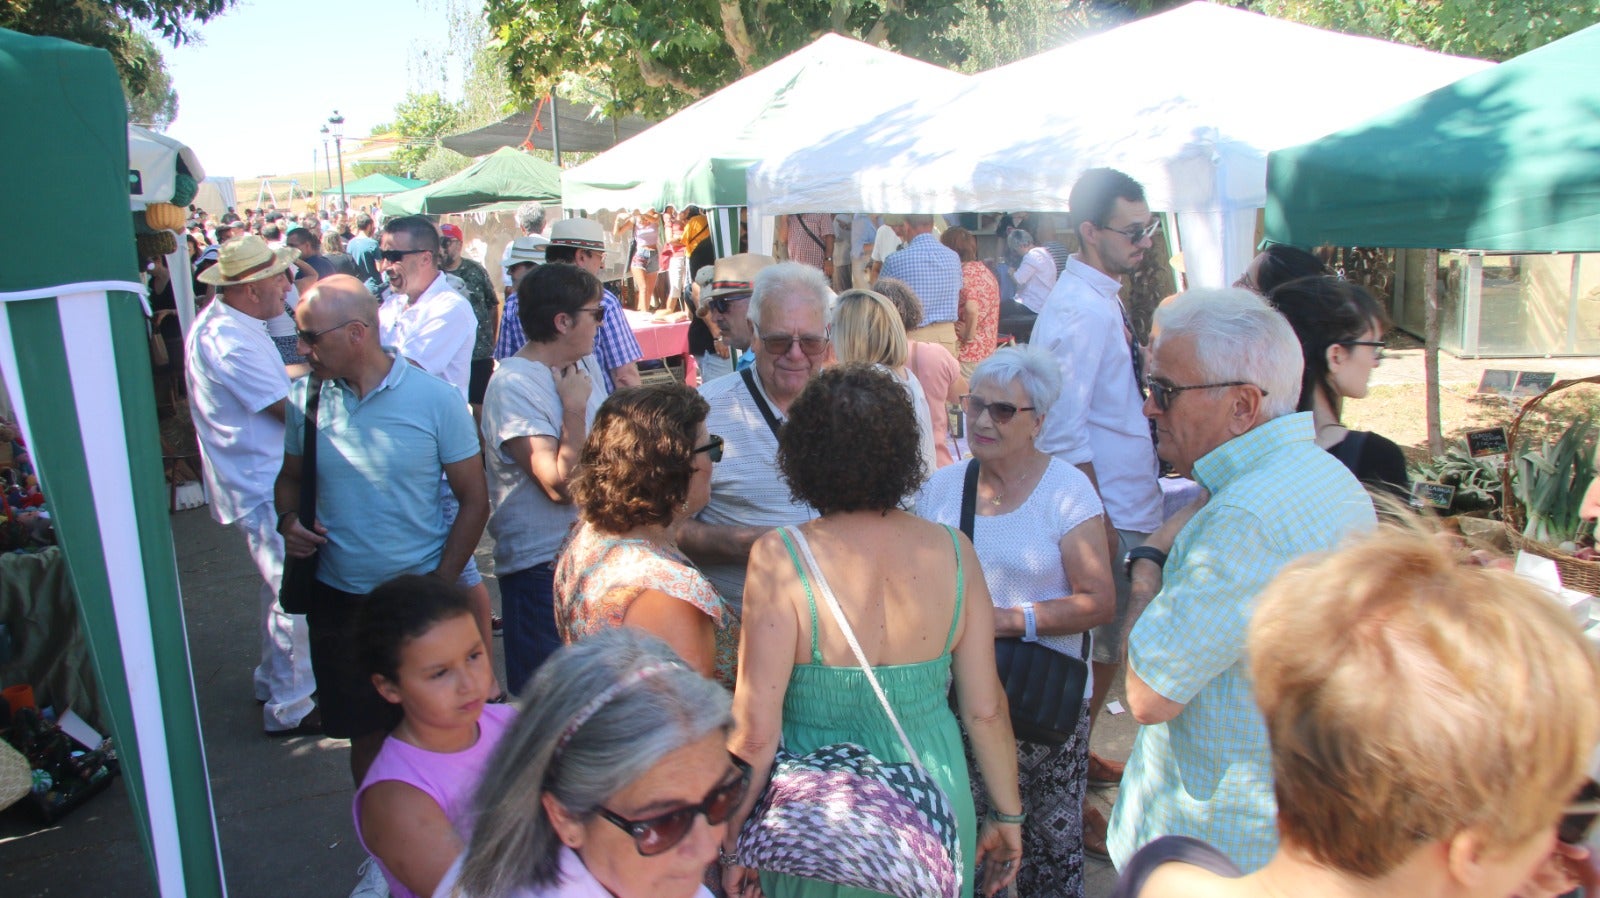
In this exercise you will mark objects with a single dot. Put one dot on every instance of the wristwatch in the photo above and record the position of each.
(1148, 553)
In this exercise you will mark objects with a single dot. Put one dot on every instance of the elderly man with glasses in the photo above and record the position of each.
(1223, 382)
(788, 314)
(1096, 422)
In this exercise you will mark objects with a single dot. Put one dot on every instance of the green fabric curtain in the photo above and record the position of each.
(75, 357)
(1506, 159)
(506, 175)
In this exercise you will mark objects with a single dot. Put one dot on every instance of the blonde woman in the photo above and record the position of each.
(867, 329)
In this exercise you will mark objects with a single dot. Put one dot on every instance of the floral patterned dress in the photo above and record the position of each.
(599, 575)
(979, 285)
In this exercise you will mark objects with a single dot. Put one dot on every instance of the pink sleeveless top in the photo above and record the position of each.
(448, 778)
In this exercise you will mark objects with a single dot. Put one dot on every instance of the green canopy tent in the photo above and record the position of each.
(375, 185)
(701, 155)
(76, 362)
(503, 179)
(1504, 159)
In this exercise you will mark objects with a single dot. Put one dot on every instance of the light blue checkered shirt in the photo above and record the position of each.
(933, 271)
(1207, 773)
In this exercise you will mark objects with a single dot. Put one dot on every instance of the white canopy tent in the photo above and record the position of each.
(152, 178)
(1188, 102)
(216, 196)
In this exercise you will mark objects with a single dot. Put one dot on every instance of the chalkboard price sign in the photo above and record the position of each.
(1487, 442)
(1428, 494)
(1532, 383)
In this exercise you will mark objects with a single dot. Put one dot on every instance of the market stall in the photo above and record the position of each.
(1189, 102)
(500, 181)
(74, 356)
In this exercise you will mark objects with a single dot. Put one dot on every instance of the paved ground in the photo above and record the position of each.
(283, 806)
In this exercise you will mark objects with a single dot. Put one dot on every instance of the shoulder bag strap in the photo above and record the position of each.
(969, 499)
(761, 401)
(308, 454)
(810, 233)
(850, 637)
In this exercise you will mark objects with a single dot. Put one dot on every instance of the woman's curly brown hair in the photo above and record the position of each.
(850, 443)
(639, 457)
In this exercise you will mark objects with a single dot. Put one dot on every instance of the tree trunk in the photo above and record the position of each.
(737, 34)
(1430, 349)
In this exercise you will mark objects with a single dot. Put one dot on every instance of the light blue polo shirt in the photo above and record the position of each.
(379, 461)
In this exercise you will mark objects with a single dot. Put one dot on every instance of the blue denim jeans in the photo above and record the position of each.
(528, 608)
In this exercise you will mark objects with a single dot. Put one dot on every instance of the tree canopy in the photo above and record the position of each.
(156, 104)
(110, 25)
(1487, 29)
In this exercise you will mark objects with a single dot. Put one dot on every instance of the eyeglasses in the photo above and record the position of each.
(1377, 346)
(396, 255)
(599, 312)
(310, 338)
(656, 835)
(810, 344)
(1163, 394)
(720, 304)
(713, 449)
(999, 412)
(1137, 233)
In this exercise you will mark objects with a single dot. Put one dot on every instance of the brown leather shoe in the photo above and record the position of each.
(1094, 833)
(1104, 772)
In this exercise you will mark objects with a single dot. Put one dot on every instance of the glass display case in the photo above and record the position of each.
(1507, 305)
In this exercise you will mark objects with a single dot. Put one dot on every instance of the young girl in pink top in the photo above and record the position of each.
(420, 642)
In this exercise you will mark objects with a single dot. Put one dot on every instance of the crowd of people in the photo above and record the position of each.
(732, 610)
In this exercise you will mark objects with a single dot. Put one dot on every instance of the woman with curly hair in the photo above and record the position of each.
(915, 598)
(645, 469)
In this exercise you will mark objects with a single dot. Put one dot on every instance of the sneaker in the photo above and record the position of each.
(372, 884)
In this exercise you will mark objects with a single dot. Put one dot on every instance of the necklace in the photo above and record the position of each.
(999, 498)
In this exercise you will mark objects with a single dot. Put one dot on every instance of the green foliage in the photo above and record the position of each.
(109, 25)
(420, 120)
(1488, 29)
(1477, 480)
(441, 163)
(1003, 31)
(1550, 480)
(156, 104)
(656, 55)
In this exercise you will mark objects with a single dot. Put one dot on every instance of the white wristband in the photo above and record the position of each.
(1030, 625)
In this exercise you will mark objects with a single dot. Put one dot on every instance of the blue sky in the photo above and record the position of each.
(267, 74)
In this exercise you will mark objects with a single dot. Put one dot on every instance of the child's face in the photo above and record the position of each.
(443, 677)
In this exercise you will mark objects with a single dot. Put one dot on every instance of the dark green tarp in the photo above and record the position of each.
(508, 175)
(1506, 159)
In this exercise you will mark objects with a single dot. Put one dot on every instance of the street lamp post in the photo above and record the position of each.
(336, 121)
(327, 161)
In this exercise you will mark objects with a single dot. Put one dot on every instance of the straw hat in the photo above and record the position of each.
(583, 233)
(247, 259)
(737, 274)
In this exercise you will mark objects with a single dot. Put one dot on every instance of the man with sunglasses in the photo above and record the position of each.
(1224, 380)
(788, 311)
(434, 325)
(582, 242)
(732, 279)
(1097, 423)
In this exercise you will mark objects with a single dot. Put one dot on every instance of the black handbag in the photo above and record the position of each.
(300, 574)
(1043, 686)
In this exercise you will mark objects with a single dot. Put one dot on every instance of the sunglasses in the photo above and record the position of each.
(1137, 233)
(599, 312)
(656, 835)
(999, 412)
(1377, 346)
(1164, 394)
(396, 255)
(310, 337)
(720, 304)
(713, 449)
(810, 344)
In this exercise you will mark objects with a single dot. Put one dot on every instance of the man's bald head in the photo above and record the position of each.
(341, 297)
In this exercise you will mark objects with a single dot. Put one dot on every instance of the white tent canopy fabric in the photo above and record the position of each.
(700, 154)
(1188, 102)
(153, 159)
(216, 196)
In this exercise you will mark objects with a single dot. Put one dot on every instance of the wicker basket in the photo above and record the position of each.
(1575, 572)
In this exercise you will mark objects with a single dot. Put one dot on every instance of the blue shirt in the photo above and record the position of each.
(931, 269)
(863, 230)
(1207, 773)
(363, 253)
(614, 342)
(379, 462)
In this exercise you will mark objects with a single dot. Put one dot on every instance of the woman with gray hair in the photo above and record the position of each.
(1039, 534)
(600, 788)
(1035, 274)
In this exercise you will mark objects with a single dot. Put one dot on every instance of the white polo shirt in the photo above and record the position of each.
(746, 488)
(1099, 416)
(235, 372)
(437, 330)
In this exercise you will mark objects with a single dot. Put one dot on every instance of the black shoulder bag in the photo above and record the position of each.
(300, 574)
(1043, 686)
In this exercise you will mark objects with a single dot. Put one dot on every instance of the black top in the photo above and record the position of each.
(1170, 849)
(1375, 460)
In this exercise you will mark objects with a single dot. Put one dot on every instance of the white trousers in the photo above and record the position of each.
(283, 679)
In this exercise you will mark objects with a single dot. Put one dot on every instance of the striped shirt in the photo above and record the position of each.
(746, 489)
(1207, 773)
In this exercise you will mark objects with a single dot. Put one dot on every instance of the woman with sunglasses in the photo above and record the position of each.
(645, 469)
(614, 783)
(1341, 329)
(1038, 531)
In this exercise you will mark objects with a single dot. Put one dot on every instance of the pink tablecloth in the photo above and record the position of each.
(661, 339)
